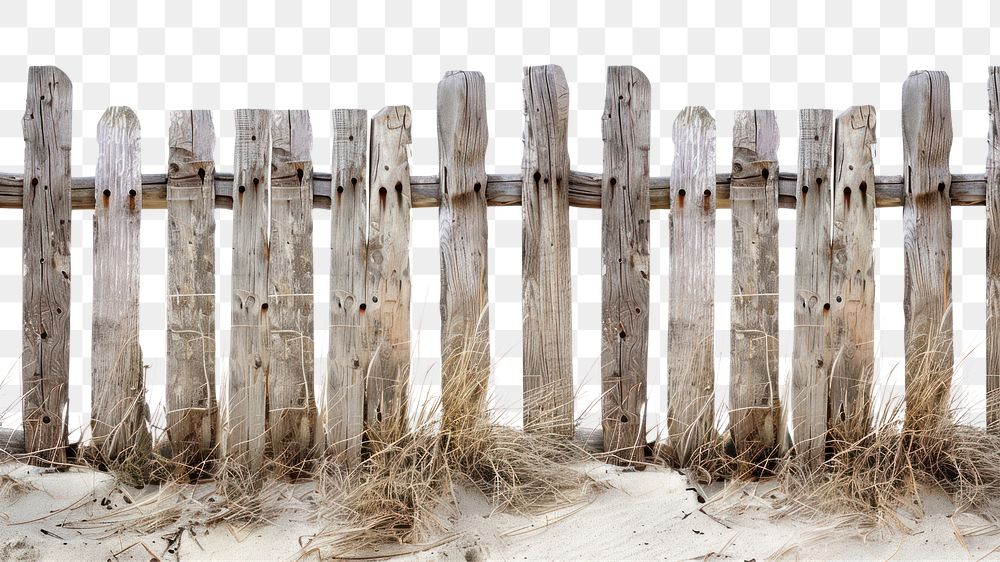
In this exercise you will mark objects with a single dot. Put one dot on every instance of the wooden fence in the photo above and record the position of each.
(267, 407)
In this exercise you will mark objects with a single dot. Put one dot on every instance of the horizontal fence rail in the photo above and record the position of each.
(266, 409)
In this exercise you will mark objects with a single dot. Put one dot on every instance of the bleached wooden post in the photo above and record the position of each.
(691, 329)
(119, 415)
(46, 200)
(852, 277)
(345, 386)
(388, 276)
(465, 323)
(243, 422)
(548, 340)
(810, 351)
(993, 256)
(625, 263)
(927, 137)
(291, 416)
(755, 414)
(192, 408)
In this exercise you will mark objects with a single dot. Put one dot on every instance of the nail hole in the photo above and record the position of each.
(624, 418)
(681, 193)
(826, 306)
(613, 181)
(256, 182)
(538, 175)
(847, 191)
(107, 193)
(941, 187)
(374, 299)
(243, 189)
(765, 173)
(477, 187)
(58, 311)
(350, 137)
(708, 193)
(363, 306)
(863, 187)
(201, 174)
(340, 189)
(44, 335)
(263, 306)
(805, 189)
(621, 334)
(299, 173)
(354, 181)
(819, 182)
(46, 419)
(131, 193)
(34, 182)
(399, 187)
(382, 191)
(840, 299)
(253, 137)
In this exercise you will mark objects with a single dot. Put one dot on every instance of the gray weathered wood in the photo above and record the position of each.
(691, 328)
(547, 313)
(852, 276)
(244, 409)
(625, 264)
(504, 190)
(345, 386)
(192, 408)
(755, 409)
(119, 415)
(927, 137)
(388, 276)
(993, 255)
(48, 132)
(465, 344)
(11, 443)
(291, 416)
(811, 358)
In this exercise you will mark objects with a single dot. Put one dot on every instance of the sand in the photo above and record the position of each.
(652, 514)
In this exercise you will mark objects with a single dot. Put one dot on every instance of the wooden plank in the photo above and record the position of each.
(48, 134)
(811, 358)
(993, 256)
(504, 190)
(465, 324)
(345, 386)
(691, 327)
(291, 416)
(547, 298)
(192, 408)
(852, 276)
(388, 276)
(625, 264)
(244, 409)
(927, 137)
(755, 415)
(119, 415)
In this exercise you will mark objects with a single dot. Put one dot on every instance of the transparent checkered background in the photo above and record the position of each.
(723, 54)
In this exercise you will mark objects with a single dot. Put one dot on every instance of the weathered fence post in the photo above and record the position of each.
(852, 277)
(993, 256)
(811, 353)
(625, 264)
(755, 415)
(192, 409)
(388, 276)
(291, 416)
(119, 414)
(691, 329)
(927, 137)
(465, 323)
(243, 422)
(547, 298)
(345, 384)
(46, 200)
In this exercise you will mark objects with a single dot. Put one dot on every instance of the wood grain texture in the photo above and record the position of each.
(192, 408)
(504, 190)
(345, 386)
(811, 357)
(245, 409)
(48, 134)
(388, 276)
(927, 313)
(465, 324)
(691, 327)
(852, 276)
(545, 250)
(625, 264)
(291, 415)
(755, 416)
(119, 415)
(993, 255)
